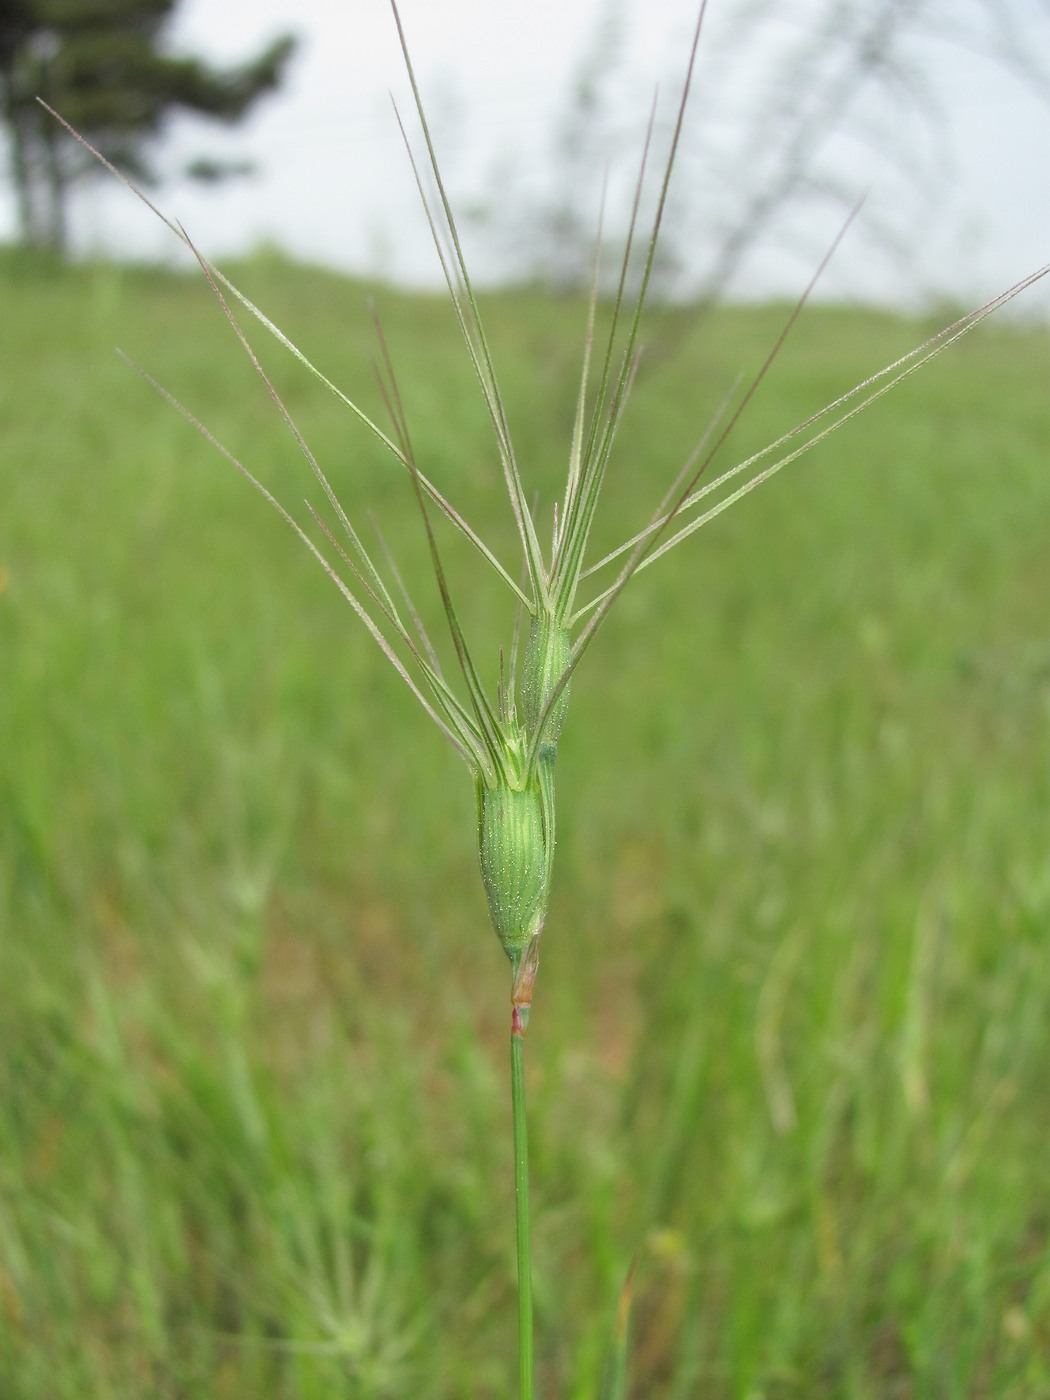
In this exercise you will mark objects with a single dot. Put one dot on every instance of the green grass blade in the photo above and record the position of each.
(615, 1385)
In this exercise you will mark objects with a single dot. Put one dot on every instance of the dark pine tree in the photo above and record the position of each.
(105, 66)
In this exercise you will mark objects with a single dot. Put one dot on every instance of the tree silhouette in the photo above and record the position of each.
(105, 66)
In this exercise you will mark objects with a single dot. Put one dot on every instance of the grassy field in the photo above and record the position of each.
(791, 1043)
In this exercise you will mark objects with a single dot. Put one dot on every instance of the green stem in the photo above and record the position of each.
(521, 1195)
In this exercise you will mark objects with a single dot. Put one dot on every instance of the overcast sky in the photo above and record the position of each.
(334, 184)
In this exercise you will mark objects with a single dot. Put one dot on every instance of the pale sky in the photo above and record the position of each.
(334, 185)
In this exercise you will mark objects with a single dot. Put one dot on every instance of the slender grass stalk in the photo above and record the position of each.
(525, 966)
(510, 743)
(521, 1204)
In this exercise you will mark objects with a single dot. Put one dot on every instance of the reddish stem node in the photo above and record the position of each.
(524, 983)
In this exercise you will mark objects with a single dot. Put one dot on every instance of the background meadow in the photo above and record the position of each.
(790, 1041)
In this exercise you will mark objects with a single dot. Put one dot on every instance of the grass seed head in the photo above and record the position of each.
(546, 657)
(516, 846)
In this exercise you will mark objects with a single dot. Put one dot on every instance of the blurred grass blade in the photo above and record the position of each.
(615, 1384)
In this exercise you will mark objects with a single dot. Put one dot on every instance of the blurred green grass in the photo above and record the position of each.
(790, 1042)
